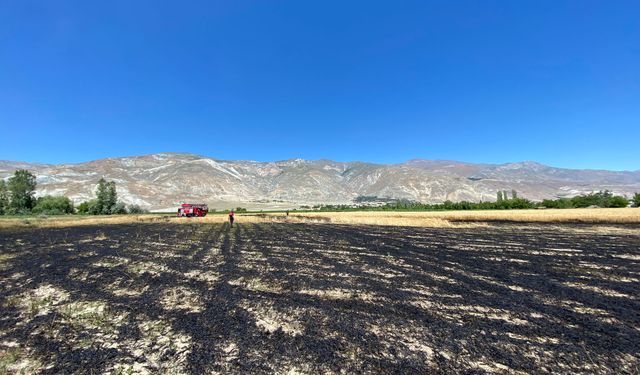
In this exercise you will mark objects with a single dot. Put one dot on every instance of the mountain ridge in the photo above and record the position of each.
(320, 160)
(163, 180)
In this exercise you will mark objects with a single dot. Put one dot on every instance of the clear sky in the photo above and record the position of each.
(482, 81)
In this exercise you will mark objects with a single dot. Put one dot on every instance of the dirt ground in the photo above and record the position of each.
(296, 298)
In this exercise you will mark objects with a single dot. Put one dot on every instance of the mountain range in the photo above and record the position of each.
(164, 180)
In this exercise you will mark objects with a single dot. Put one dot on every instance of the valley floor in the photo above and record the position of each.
(627, 219)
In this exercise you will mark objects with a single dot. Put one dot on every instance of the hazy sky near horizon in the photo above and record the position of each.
(557, 82)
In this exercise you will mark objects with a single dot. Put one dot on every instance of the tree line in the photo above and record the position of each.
(604, 199)
(17, 197)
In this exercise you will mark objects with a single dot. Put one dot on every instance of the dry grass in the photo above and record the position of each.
(585, 215)
(71, 221)
(379, 218)
(418, 219)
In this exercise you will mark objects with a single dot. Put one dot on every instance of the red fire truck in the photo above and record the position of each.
(191, 209)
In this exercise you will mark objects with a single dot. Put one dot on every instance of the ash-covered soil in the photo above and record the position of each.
(317, 298)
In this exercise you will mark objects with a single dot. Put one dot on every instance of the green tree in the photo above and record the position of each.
(499, 196)
(4, 197)
(111, 204)
(618, 201)
(22, 188)
(106, 198)
(101, 197)
(520, 203)
(601, 199)
(558, 203)
(636, 200)
(514, 194)
(51, 205)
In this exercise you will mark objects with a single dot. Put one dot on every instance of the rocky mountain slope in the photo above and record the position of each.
(162, 181)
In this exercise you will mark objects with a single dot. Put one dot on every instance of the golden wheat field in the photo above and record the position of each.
(578, 215)
(414, 219)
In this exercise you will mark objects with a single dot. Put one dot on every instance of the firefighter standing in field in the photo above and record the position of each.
(231, 217)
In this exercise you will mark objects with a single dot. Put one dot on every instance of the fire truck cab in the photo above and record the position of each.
(191, 209)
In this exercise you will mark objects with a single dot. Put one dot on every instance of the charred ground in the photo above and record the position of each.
(309, 298)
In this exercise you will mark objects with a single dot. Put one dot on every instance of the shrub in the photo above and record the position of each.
(135, 209)
(119, 209)
(94, 207)
(83, 208)
(53, 205)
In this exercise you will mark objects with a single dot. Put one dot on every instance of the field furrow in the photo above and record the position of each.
(318, 298)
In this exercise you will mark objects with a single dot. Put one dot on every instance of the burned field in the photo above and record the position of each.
(318, 298)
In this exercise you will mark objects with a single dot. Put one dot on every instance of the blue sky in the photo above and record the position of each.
(483, 81)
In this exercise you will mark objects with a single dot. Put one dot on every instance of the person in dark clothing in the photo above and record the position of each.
(231, 217)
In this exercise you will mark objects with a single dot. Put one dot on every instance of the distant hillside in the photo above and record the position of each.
(161, 181)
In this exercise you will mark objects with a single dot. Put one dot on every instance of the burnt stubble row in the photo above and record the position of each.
(318, 298)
